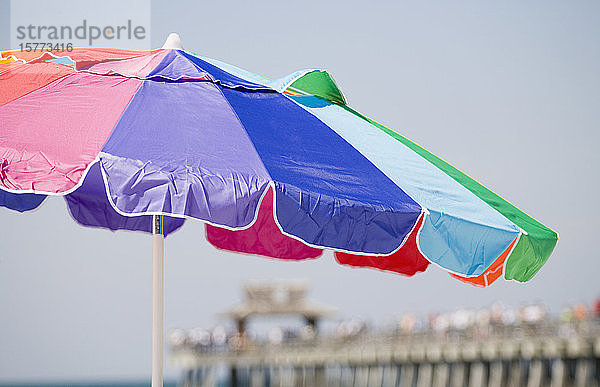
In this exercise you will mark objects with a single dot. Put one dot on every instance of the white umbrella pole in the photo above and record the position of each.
(158, 284)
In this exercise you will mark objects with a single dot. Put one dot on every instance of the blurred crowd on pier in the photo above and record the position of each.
(496, 321)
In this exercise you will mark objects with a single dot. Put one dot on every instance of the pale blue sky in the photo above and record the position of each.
(508, 92)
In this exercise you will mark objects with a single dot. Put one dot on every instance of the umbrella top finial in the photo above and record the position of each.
(173, 42)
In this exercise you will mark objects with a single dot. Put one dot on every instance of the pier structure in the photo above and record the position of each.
(540, 353)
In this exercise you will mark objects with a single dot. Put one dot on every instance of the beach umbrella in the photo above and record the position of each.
(142, 140)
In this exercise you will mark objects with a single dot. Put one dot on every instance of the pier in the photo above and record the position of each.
(548, 352)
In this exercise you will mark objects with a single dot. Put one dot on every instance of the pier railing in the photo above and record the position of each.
(547, 353)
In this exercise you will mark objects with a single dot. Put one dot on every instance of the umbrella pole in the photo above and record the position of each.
(158, 267)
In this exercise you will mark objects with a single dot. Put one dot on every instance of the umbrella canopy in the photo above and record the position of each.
(282, 168)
